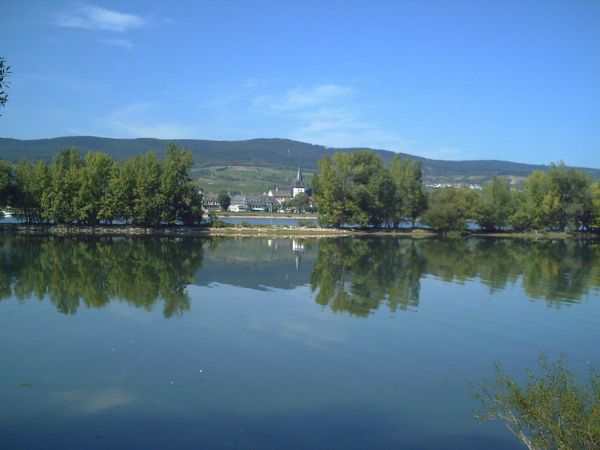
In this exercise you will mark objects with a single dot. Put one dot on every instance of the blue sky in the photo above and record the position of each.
(481, 79)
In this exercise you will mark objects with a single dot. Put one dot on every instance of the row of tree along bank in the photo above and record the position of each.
(356, 188)
(142, 190)
(350, 188)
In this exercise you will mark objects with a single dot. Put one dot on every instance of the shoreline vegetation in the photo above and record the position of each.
(268, 230)
(80, 195)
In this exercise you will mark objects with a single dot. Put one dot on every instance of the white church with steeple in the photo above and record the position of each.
(283, 195)
(299, 185)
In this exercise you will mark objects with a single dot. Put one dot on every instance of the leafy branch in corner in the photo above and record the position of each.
(553, 410)
(4, 71)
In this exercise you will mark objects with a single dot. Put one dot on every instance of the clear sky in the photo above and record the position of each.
(512, 80)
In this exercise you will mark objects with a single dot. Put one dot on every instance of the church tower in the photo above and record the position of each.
(299, 185)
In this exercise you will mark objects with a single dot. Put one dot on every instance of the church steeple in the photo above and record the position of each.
(299, 185)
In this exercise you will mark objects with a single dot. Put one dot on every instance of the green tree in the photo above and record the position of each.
(398, 174)
(92, 197)
(596, 205)
(354, 188)
(553, 410)
(190, 212)
(411, 201)
(176, 185)
(147, 199)
(449, 209)
(331, 189)
(521, 219)
(224, 200)
(32, 180)
(6, 183)
(372, 191)
(536, 207)
(58, 202)
(495, 205)
(555, 199)
(119, 201)
(299, 203)
(4, 71)
(570, 190)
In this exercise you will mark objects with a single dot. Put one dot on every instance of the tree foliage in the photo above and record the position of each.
(595, 220)
(58, 201)
(96, 173)
(496, 205)
(554, 200)
(224, 200)
(355, 188)
(298, 204)
(553, 410)
(142, 190)
(410, 198)
(4, 71)
(179, 197)
(6, 182)
(449, 209)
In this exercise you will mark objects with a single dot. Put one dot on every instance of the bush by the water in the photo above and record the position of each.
(551, 410)
(306, 223)
(221, 224)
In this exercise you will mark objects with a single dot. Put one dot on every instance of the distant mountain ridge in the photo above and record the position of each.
(278, 153)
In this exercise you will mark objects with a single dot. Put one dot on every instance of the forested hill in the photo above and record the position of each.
(276, 153)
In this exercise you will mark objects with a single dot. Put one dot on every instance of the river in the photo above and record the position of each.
(271, 343)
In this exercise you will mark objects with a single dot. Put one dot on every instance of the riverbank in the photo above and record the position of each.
(262, 231)
(266, 216)
(128, 230)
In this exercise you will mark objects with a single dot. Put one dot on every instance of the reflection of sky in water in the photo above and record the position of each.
(255, 368)
(94, 401)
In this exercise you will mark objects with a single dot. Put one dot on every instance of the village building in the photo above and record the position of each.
(280, 196)
(239, 203)
(298, 187)
(210, 201)
(260, 203)
(270, 201)
(245, 203)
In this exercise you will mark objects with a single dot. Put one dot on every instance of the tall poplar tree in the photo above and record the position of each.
(96, 174)
(147, 199)
(58, 202)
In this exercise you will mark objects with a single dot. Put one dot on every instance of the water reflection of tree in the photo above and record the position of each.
(352, 275)
(71, 271)
(357, 275)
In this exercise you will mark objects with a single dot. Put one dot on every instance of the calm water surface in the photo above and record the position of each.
(254, 343)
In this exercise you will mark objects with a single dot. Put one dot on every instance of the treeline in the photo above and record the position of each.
(358, 189)
(142, 190)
